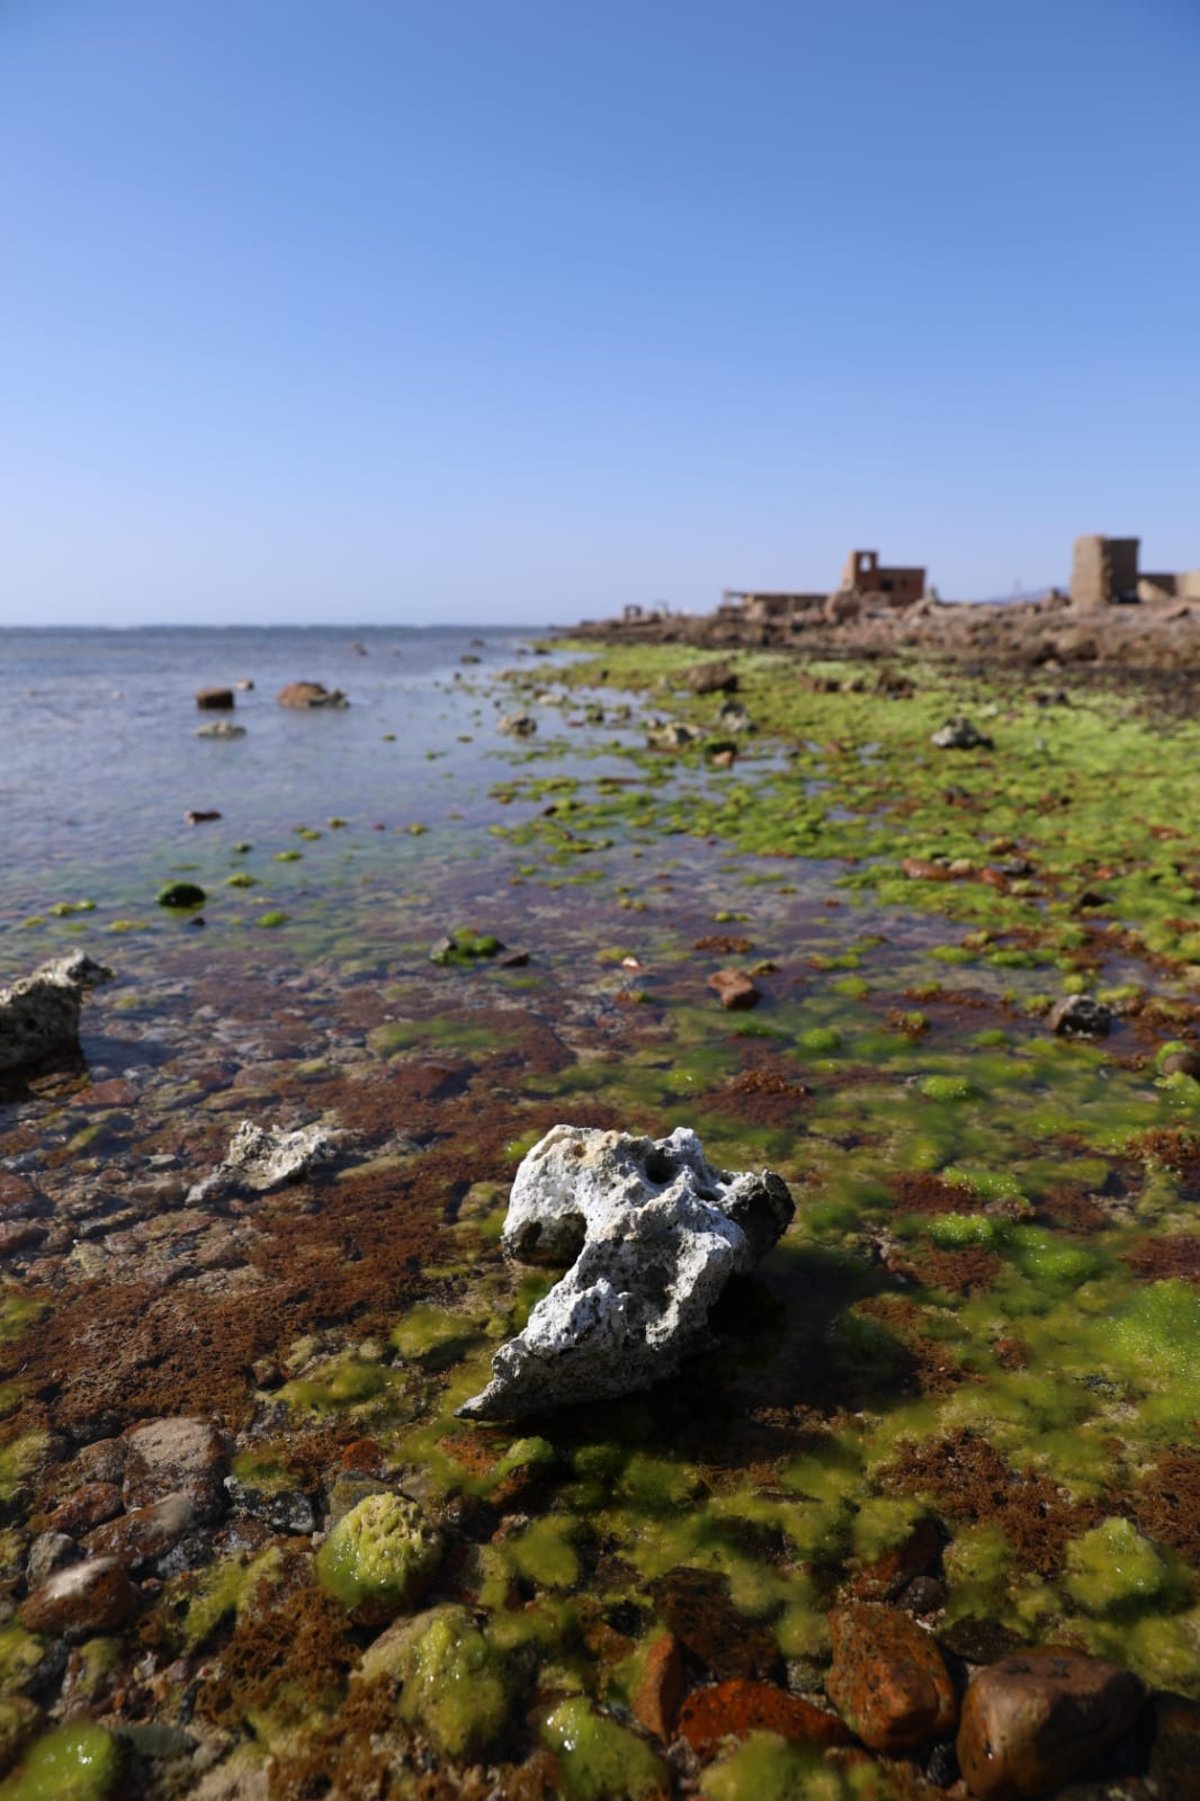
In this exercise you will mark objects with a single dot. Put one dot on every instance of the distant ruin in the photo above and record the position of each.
(865, 583)
(1104, 573)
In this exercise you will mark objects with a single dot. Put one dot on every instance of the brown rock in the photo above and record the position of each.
(1031, 1721)
(15, 1193)
(1182, 1063)
(659, 1694)
(20, 1235)
(733, 1709)
(114, 1093)
(172, 1456)
(215, 700)
(310, 694)
(89, 1506)
(85, 1598)
(697, 1607)
(711, 678)
(101, 1461)
(734, 988)
(889, 1680)
(1175, 1753)
(921, 869)
(144, 1533)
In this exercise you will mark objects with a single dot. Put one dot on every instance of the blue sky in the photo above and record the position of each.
(422, 310)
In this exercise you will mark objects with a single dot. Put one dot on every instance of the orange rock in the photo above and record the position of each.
(659, 1695)
(889, 1680)
(734, 988)
(1031, 1721)
(86, 1598)
(733, 1709)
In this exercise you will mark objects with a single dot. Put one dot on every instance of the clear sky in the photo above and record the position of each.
(426, 310)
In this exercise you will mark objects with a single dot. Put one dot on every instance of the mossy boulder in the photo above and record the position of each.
(380, 1556)
(76, 1762)
(457, 1685)
(464, 947)
(181, 895)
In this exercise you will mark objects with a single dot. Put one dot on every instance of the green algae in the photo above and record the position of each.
(599, 1760)
(545, 1551)
(21, 1658)
(380, 1554)
(79, 1761)
(1113, 1570)
(768, 1768)
(225, 1591)
(457, 1686)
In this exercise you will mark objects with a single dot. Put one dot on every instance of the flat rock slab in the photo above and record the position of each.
(1030, 1722)
(652, 1232)
(889, 1680)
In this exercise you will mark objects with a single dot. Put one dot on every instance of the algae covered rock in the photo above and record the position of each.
(181, 895)
(380, 1556)
(599, 1760)
(76, 1762)
(457, 1687)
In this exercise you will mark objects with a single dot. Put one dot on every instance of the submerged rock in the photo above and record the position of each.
(517, 725)
(39, 1015)
(889, 1680)
(456, 1686)
(259, 1161)
(960, 734)
(655, 1234)
(311, 694)
(221, 728)
(1080, 1016)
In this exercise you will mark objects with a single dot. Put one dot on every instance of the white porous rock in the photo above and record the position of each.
(39, 1015)
(652, 1232)
(259, 1161)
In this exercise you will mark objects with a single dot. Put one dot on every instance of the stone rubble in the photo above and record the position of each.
(653, 1234)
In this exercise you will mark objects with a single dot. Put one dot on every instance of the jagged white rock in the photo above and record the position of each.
(39, 1015)
(652, 1232)
(258, 1161)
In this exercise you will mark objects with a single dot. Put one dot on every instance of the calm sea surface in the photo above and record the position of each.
(103, 761)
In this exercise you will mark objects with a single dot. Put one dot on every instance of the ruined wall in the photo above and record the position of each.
(1103, 570)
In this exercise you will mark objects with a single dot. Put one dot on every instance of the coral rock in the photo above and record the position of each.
(259, 1161)
(380, 1556)
(889, 1680)
(1031, 1721)
(39, 1015)
(655, 1233)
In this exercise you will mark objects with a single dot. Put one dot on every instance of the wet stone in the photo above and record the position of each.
(1080, 1016)
(88, 1506)
(175, 1456)
(1174, 1764)
(145, 1533)
(84, 1598)
(659, 1693)
(695, 1605)
(889, 1680)
(734, 989)
(978, 1640)
(735, 1709)
(50, 1551)
(1031, 1722)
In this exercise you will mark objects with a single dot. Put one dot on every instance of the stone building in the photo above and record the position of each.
(1105, 573)
(864, 575)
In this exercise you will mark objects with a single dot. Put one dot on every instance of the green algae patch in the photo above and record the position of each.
(181, 895)
(76, 1762)
(545, 1552)
(434, 1337)
(766, 1767)
(947, 1088)
(463, 947)
(272, 919)
(599, 1760)
(224, 1591)
(457, 1688)
(21, 1657)
(1114, 1570)
(380, 1555)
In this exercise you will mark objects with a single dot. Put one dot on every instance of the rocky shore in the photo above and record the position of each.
(920, 1517)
